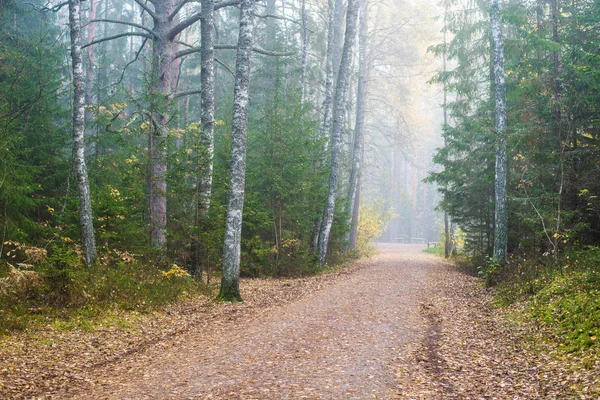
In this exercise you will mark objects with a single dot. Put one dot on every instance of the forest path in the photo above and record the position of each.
(338, 343)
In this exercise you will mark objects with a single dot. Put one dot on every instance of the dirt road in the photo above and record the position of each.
(401, 325)
(338, 343)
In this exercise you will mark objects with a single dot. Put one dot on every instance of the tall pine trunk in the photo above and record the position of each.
(83, 186)
(162, 69)
(500, 214)
(230, 290)
(359, 130)
(342, 84)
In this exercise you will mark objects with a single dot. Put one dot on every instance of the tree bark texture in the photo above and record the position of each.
(332, 43)
(304, 60)
(359, 129)
(207, 113)
(207, 116)
(342, 84)
(447, 230)
(163, 57)
(83, 187)
(500, 214)
(89, 82)
(230, 290)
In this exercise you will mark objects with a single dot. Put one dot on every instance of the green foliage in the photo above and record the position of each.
(373, 220)
(33, 168)
(490, 271)
(59, 287)
(562, 297)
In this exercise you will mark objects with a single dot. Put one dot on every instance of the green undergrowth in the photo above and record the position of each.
(57, 291)
(561, 297)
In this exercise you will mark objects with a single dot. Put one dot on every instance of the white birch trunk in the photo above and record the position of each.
(338, 124)
(83, 187)
(207, 114)
(89, 82)
(230, 290)
(500, 215)
(359, 129)
(332, 42)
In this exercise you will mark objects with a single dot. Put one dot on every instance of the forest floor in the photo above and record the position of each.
(400, 325)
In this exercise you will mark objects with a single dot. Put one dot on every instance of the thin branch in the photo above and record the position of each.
(120, 35)
(177, 9)
(225, 66)
(137, 56)
(277, 17)
(256, 50)
(187, 93)
(197, 49)
(147, 9)
(116, 21)
(55, 8)
(226, 3)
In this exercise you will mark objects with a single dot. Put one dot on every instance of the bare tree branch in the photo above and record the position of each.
(116, 21)
(225, 66)
(177, 29)
(258, 50)
(137, 56)
(226, 3)
(187, 93)
(277, 17)
(120, 35)
(255, 50)
(146, 8)
(178, 8)
(55, 8)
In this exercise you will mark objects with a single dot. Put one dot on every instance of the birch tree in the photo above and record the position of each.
(500, 212)
(330, 65)
(83, 186)
(230, 290)
(343, 81)
(362, 95)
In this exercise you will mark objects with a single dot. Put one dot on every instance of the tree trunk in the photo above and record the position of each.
(338, 124)
(162, 68)
(89, 82)
(304, 61)
(359, 130)
(500, 214)
(207, 116)
(207, 113)
(230, 290)
(332, 43)
(447, 230)
(85, 204)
